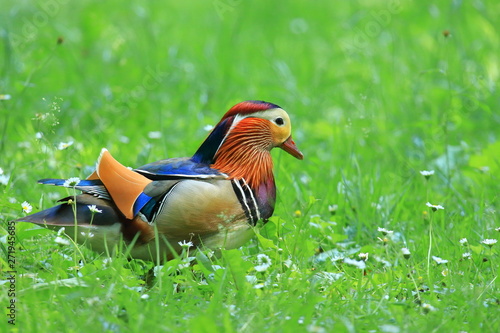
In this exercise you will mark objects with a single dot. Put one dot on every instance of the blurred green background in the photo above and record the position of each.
(377, 91)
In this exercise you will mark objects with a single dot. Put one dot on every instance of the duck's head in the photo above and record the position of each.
(250, 125)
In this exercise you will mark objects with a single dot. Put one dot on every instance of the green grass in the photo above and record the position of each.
(376, 92)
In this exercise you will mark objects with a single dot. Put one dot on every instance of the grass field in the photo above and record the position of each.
(378, 91)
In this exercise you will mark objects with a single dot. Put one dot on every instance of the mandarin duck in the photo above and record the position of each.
(212, 199)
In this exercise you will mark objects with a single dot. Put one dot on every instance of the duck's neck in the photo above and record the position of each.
(246, 155)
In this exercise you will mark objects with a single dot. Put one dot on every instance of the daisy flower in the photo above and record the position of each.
(64, 145)
(434, 207)
(359, 264)
(94, 209)
(489, 242)
(185, 245)
(333, 209)
(4, 179)
(385, 231)
(439, 261)
(60, 239)
(363, 256)
(27, 208)
(406, 253)
(87, 234)
(71, 182)
(428, 308)
(263, 263)
(154, 135)
(427, 174)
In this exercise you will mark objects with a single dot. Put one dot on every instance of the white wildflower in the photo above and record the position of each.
(467, 255)
(27, 208)
(489, 242)
(434, 207)
(4, 179)
(259, 285)
(87, 234)
(406, 253)
(333, 209)
(384, 240)
(208, 128)
(64, 145)
(363, 256)
(263, 263)
(428, 308)
(439, 261)
(252, 279)
(426, 173)
(157, 270)
(71, 182)
(185, 245)
(154, 135)
(60, 239)
(185, 263)
(93, 209)
(39, 135)
(463, 241)
(106, 261)
(359, 264)
(384, 231)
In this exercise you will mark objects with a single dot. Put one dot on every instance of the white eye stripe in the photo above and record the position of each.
(272, 115)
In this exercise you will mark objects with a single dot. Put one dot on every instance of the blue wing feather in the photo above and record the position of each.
(94, 186)
(60, 182)
(179, 168)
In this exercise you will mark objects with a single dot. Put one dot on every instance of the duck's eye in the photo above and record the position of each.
(279, 121)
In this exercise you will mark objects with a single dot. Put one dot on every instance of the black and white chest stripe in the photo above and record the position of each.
(241, 189)
(247, 200)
